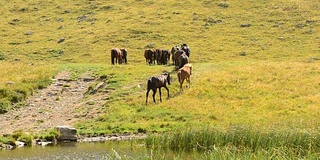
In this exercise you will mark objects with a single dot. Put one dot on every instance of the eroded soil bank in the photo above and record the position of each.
(60, 104)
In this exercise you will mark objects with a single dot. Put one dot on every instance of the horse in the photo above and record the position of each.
(184, 74)
(158, 54)
(176, 55)
(124, 54)
(149, 54)
(186, 49)
(156, 82)
(116, 56)
(165, 56)
(182, 60)
(173, 50)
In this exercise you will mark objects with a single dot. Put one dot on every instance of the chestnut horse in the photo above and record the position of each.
(116, 56)
(184, 74)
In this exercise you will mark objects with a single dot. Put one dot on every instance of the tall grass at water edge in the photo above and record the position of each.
(239, 142)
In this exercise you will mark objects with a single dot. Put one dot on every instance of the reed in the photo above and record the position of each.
(239, 140)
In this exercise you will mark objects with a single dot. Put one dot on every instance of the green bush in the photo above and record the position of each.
(50, 135)
(17, 134)
(6, 140)
(27, 138)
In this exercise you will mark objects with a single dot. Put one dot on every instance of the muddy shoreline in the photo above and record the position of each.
(81, 139)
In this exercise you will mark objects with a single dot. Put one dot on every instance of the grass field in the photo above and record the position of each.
(256, 63)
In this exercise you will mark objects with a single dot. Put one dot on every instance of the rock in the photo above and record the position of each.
(9, 83)
(61, 40)
(67, 133)
(243, 53)
(44, 143)
(7, 146)
(245, 25)
(29, 33)
(223, 5)
(19, 144)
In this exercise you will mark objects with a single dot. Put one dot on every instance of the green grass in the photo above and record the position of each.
(238, 142)
(263, 76)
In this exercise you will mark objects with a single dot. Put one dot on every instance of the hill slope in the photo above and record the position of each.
(256, 62)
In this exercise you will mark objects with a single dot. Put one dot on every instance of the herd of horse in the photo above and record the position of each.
(119, 55)
(180, 58)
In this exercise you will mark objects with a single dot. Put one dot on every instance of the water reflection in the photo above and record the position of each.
(105, 150)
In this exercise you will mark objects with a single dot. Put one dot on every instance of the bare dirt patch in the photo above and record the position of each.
(63, 103)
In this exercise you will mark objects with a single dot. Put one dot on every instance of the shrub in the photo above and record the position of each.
(27, 138)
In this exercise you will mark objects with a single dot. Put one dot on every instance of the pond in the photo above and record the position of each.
(97, 150)
(76, 150)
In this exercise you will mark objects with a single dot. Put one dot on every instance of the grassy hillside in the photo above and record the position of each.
(256, 62)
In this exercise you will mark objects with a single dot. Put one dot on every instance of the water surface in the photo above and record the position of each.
(102, 150)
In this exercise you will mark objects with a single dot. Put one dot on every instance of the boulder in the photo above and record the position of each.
(67, 133)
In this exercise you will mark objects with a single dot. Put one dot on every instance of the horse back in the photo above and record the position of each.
(157, 82)
(183, 59)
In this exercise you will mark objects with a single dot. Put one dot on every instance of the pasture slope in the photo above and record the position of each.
(255, 62)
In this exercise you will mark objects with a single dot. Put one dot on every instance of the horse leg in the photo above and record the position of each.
(147, 96)
(154, 94)
(182, 80)
(188, 80)
(160, 94)
(167, 90)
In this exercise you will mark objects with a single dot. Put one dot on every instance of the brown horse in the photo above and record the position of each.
(183, 59)
(186, 49)
(156, 82)
(165, 56)
(174, 49)
(176, 55)
(116, 56)
(150, 56)
(184, 74)
(124, 54)
(158, 54)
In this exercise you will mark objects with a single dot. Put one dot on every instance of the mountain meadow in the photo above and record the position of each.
(255, 84)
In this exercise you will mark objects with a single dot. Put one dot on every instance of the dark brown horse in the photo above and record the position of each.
(150, 56)
(162, 56)
(176, 55)
(165, 56)
(174, 49)
(158, 53)
(124, 55)
(116, 56)
(186, 49)
(183, 59)
(156, 82)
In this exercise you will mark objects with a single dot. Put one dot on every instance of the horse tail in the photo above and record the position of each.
(112, 56)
